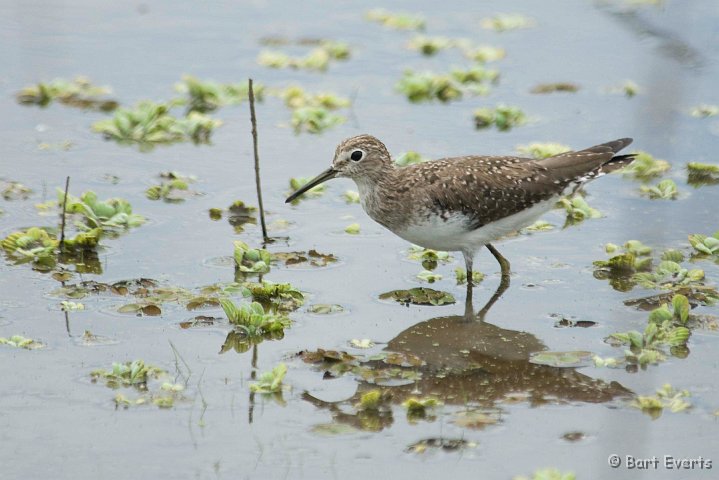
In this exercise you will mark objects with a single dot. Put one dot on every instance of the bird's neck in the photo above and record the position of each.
(373, 189)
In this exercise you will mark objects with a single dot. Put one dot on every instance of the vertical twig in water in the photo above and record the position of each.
(253, 119)
(64, 207)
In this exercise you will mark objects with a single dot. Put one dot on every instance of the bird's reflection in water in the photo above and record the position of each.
(469, 362)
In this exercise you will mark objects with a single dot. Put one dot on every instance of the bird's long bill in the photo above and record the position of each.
(328, 174)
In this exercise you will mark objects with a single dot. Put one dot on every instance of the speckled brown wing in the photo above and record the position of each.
(489, 188)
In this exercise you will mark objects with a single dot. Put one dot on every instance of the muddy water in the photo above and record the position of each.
(54, 419)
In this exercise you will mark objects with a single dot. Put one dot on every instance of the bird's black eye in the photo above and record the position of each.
(357, 155)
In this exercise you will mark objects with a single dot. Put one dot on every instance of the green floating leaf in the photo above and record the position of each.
(135, 373)
(503, 117)
(270, 382)
(503, 22)
(664, 190)
(18, 341)
(206, 95)
(151, 123)
(396, 20)
(543, 150)
(251, 260)
(419, 296)
(325, 309)
(544, 88)
(562, 359)
(666, 397)
(645, 167)
(704, 110)
(79, 93)
(409, 158)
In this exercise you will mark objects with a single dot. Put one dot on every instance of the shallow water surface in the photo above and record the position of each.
(500, 414)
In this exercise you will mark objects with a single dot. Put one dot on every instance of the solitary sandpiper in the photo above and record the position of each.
(464, 203)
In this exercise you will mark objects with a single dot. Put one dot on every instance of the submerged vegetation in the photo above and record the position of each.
(702, 174)
(175, 188)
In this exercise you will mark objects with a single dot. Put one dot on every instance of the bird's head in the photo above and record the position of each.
(358, 157)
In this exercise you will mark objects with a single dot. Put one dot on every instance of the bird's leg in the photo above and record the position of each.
(503, 284)
(468, 308)
(503, 262)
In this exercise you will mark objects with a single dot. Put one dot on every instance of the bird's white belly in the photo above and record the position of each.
(452, 234)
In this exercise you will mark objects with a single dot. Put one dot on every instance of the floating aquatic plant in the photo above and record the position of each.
(578, 209)
(353, 229)
(503, 117)
(79, 92)
(503, 22)
(704, 110)
(396, 20)
(282, 296)
(548, 474)
(428, 86)
(561, 359)
(252, 318)
(205, 95)
(419, 408)
(634, 257)
(419, 296)
(312, 258)
(299, 182)
(409, 158)
(318, 59)
(428, 276)
(645, 167)
(313, 113)
(666, 397)
(482, 53)
(135, 373)
(173, 189)
(429, 45)
(151, 123)
(251, 260)
(32, 245)
(702, 174)
(351, 196)
(539, 226)
(429, 258)
(707, 246)
(270, 382)
(114, 213)
(629, 89)
(68, 306)
(14, 190)
(325, 309)
(664, 190)
(669, 275)
(540, 150)
(544, 88)
(18, 341)
(461, 275)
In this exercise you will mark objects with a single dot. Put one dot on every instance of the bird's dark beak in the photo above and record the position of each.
(328, 174)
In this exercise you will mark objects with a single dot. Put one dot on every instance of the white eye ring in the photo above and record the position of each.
(357, 155)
